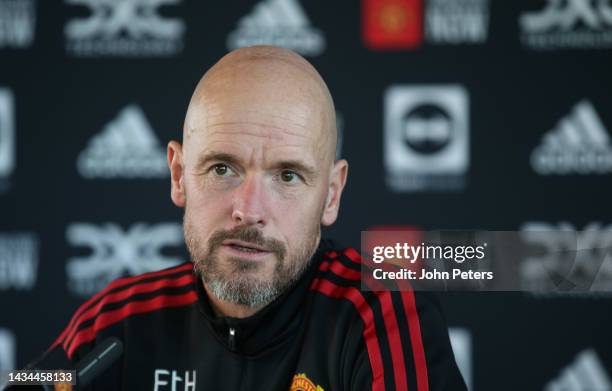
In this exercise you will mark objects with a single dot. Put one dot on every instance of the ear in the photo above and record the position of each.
(336, 185)
(177, 172)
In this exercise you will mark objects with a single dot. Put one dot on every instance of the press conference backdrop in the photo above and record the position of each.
(508, 106)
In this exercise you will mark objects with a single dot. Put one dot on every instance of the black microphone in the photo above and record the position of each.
(98, 360)
(88, 368)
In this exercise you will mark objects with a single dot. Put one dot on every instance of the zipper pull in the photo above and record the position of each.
(231, 339)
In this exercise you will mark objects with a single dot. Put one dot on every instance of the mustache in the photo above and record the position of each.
(249, 235)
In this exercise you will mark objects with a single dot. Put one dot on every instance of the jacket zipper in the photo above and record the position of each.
(231, 338)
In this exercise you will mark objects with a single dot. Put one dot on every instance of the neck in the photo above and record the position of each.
(225, 308)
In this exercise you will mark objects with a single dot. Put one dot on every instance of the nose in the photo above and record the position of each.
(249, 202)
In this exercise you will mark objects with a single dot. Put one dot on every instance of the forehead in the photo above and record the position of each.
(274, 134)
(267, 114)
(250, 143)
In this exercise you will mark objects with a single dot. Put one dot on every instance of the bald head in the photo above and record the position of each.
(268, 86)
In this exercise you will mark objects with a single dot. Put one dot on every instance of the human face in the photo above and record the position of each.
(255, 189)
(258, 201)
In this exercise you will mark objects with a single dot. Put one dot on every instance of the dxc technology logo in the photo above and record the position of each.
(568, 260)
(115, 252)
(124, 28)
(568, 24)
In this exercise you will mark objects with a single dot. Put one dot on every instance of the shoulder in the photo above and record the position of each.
(123, 298)
(338, 274)
(401, 334)
(339, 277)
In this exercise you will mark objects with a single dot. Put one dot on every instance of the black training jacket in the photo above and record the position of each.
(322, 334)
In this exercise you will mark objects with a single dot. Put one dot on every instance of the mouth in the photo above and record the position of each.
(244, 249)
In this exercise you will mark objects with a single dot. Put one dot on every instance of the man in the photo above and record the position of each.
(265, 304)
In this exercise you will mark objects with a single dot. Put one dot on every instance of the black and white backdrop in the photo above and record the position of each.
(508, 101)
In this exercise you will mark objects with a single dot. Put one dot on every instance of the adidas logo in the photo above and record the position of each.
(125, 148)
(578, 145)
(586, 373)
(280, 23)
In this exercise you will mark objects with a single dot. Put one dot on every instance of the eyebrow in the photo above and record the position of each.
(295, 165)
(216, 156)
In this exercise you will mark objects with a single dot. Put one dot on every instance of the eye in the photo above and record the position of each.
(288, 176)
(221, 169)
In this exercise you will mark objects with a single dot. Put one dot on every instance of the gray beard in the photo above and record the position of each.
(237, 286)
(244, 292)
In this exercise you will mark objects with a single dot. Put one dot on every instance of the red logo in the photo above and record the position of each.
(392, 24)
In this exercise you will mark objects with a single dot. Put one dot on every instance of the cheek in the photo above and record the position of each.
(296, 217)
(205, 196)
(206, 210)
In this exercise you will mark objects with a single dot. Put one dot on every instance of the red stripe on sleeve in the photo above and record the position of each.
(390, 320)
(367, 316)
(412, 317)
(416, 339)
(124, 294)
(136, 307)
(395, 343)
(113, 285)
(393, 333)
(338, 268)
(352, 254)
(331, 254)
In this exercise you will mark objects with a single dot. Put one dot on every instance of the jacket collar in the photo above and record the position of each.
(272, 325)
